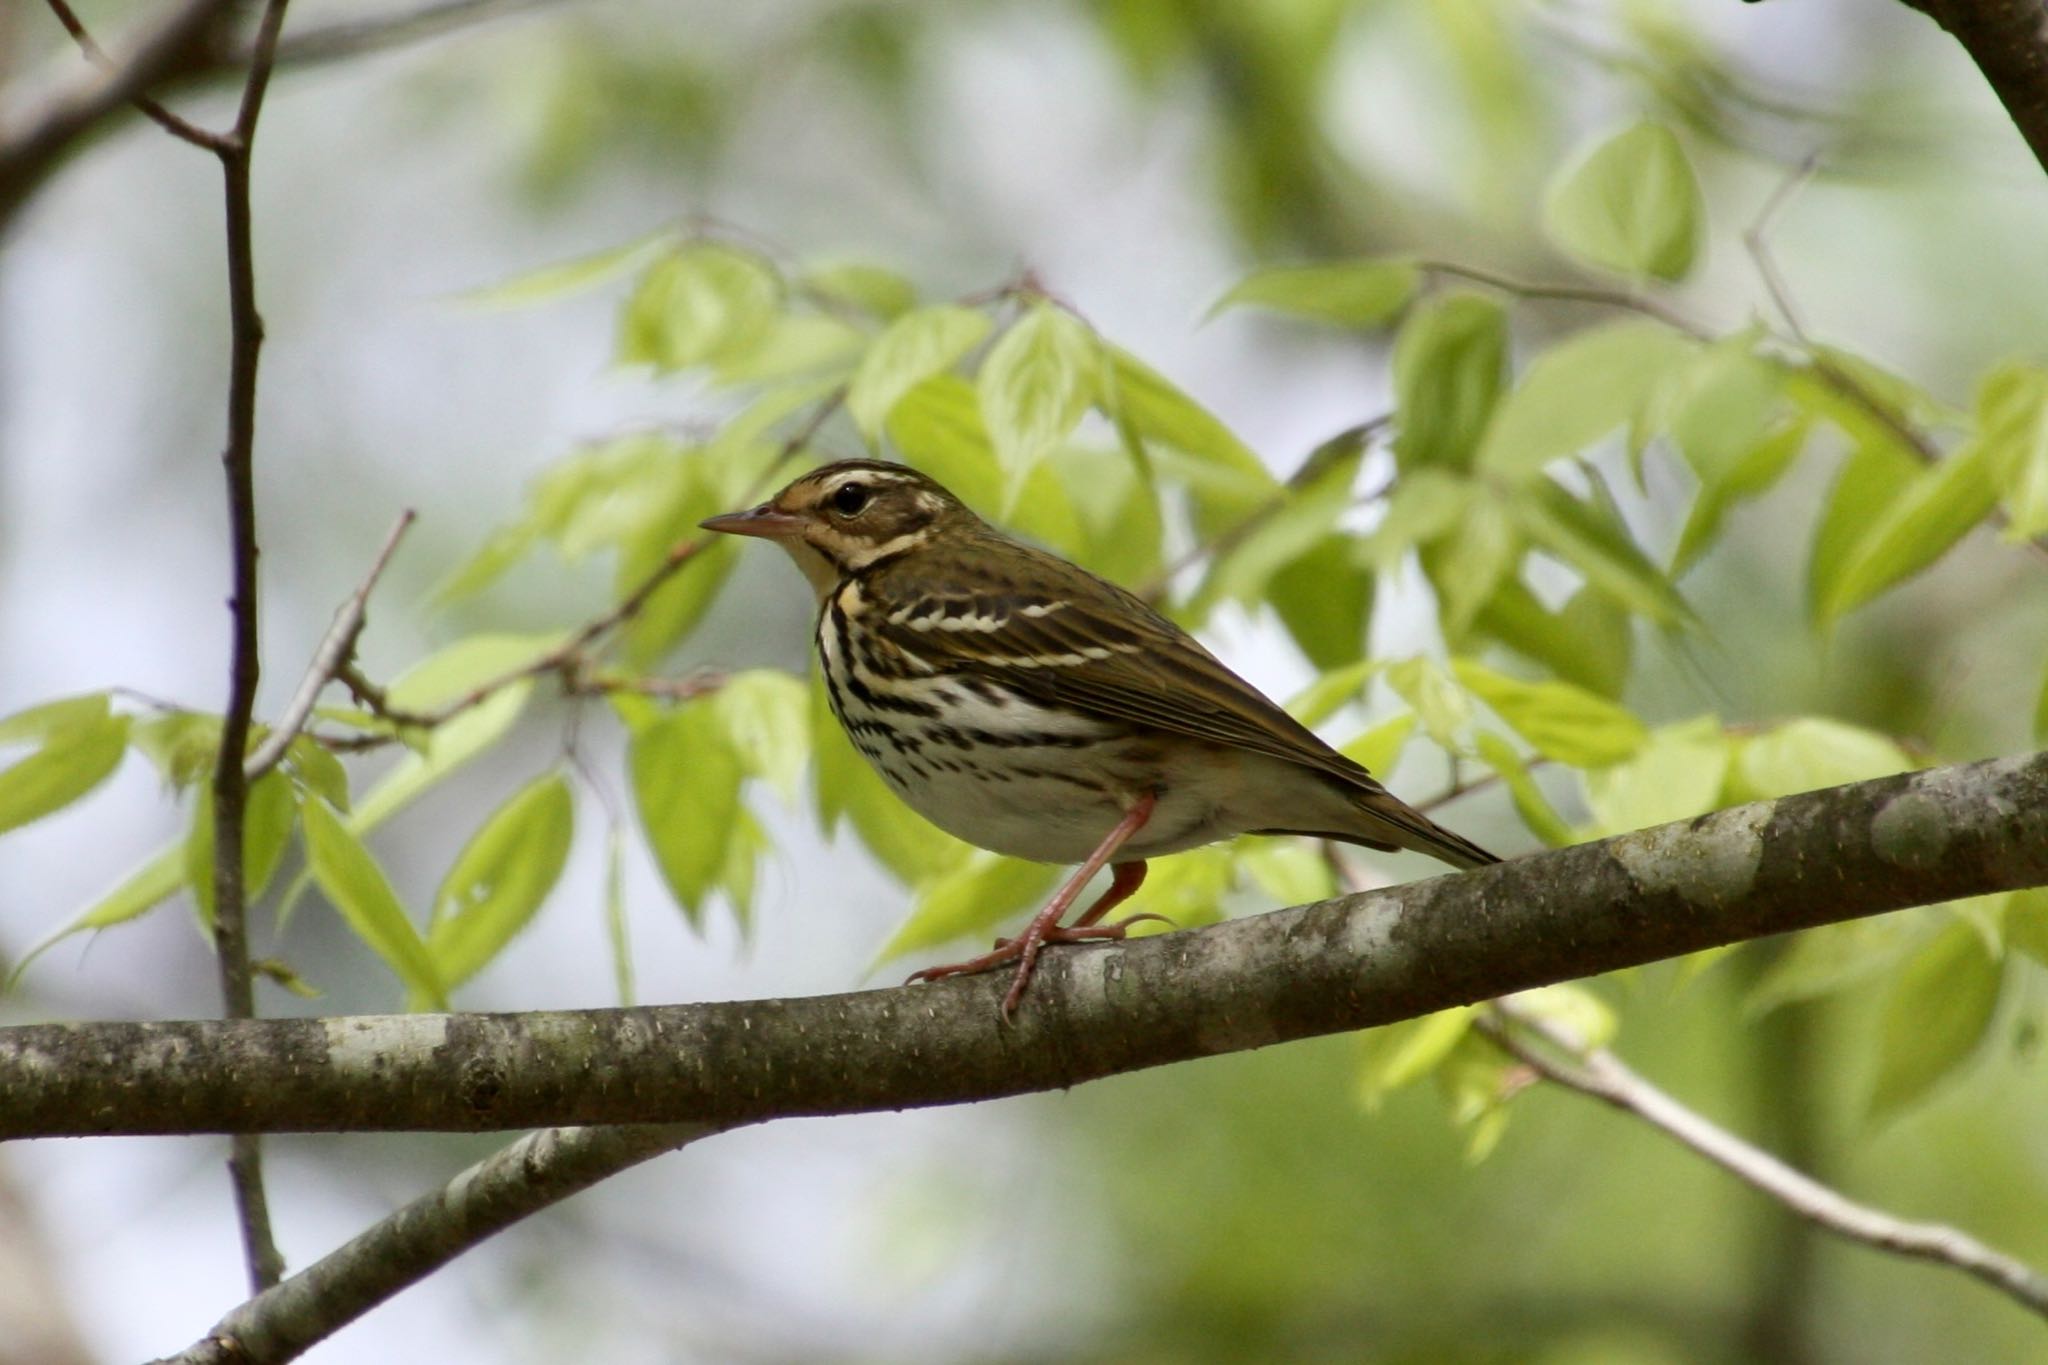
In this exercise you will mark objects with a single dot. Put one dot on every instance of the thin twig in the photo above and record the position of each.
(171, 123)
(1598, 1073)
(336, 648)
(230, 779)
(1572, 293)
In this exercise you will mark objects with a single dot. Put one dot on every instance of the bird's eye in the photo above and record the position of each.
(850, 499)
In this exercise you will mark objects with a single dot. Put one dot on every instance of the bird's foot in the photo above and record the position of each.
(1024, 949)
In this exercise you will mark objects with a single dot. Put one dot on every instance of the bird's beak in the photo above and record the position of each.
(763, 521)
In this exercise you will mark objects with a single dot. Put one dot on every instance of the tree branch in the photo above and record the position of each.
(2008, 40)
(1598, 1073)
(230, 776)
(538, 1170)
(1347, 963)
(29, 153)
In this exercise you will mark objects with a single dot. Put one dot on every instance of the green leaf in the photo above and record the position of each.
(1565, 723)
(2025, 926)
(182, 745)
(793, 346)
(318, 771)
(1585, 538)
(141, 891)
(1833, 957)
(1579, 1013)
(351, 879)
(1869, 482)
(870, 288)
(938, 428)
(1808, 754)
(572, 276)
(1588, 642)
(686, 787)
(1399, 1055)
(1752, 474)
(1287, 530)
(1425, 505)
(699, 303)
(1158, 410)
(1324, 598)
(80, 744)
(1335, 688)
(1578, 391)
(1286, 871)
(1530, 803)
(909, 351)
(766, 714)
(1350, 294)
(1443, 707)
(1632, 207)
(1114, 506)
(1678, 774)
(903, 841)
(268, 816)
(969, 900)
(1187, 888)
(2012, 421)
(1469, 565)
(451, 745)
(1037, 380)
(500, 878)
(1379, 747)
(1450, 368)
(1938, 1013)
(1929, 515)
(1724, 402)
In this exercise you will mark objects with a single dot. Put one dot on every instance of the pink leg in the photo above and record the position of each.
(1045, 925)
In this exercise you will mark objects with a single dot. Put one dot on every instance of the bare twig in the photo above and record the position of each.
(168, 121)
(230, 775)
(28, 153)
(336, 648)
(1573, 293)
(1598, 1073)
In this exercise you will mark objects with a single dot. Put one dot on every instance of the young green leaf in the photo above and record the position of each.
(1401, 1054)
(699, 303)
(909, 351)
(1679, 773)
(1928, 516)
(1587, 539)
(967, 901)
(1160, 411)
(1450, 368)
(1565, 723)
(1286, 871)
(686, 787)
(1443, 707)
(1632, 207)
(548, 282)
(1530, 803)
(617, 930)
(766, 716)
(268, 816)
(1869, 483)
(351, 879)
(141, 891)
(181, 744)
(1324, 598)
(873, 290)
(500, 878)
(80, 744)
(1035, 383)
(1378, 748)
(1938, 1013)
(1578, 391)
(1808, 754)
(1187, 888)
(1349, 293)
(2012, 420)
(1833, 957)
(1333, 689)
(1468, 565)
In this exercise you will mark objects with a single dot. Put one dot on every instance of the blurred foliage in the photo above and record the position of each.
(1564, 462)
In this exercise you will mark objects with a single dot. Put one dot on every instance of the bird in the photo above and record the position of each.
(1027, 706)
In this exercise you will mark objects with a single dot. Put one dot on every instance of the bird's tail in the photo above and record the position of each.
(1392, 822)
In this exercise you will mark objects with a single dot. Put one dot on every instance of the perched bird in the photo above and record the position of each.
(1021, 703)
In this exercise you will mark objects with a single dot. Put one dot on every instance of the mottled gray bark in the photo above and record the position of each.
(1346, 963)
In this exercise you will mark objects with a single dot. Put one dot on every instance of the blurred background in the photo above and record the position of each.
(1139, 156)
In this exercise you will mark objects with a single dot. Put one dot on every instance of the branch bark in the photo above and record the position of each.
(2008, 40)
(1348, 963)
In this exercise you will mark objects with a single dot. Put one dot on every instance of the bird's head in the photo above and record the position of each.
(849, 516)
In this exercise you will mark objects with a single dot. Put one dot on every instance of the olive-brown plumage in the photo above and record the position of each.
(1026, 706)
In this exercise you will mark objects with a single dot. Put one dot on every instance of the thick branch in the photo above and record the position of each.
(2008, 40)
(1341, 964)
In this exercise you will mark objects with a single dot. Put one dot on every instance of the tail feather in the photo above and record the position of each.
(1390, 823)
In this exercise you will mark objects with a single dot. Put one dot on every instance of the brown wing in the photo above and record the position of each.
(1051, 631)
